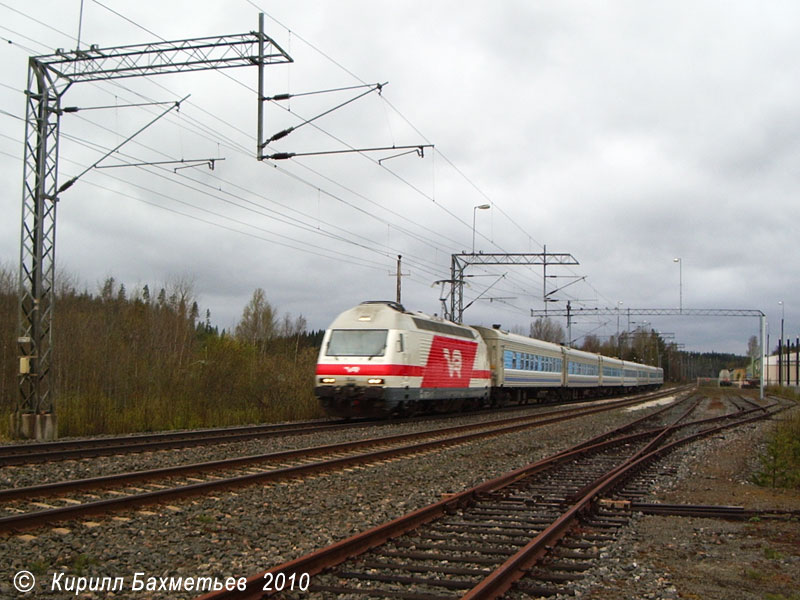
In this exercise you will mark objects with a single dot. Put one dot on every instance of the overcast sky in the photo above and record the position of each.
(626, 134)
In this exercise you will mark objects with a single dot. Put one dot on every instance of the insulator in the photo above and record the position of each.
(280, 134)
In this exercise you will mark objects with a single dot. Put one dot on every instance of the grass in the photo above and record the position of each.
(780, 459)
(88, 415)
(772, 554)
(754, 575)
(204, 519)
(783, 392)
(38, 567)
(81, 562)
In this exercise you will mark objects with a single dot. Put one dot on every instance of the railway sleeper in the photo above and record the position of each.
(536, 591)
(576, 567)
(517, 542)
(500, 518)
(376, 593)
(575, 544)
(567, 552)
(604, 524)
(451, 584)
(433, 556)
(481, 550)
(554, 576)
(631, 494)
(478, 527)
(435, 568)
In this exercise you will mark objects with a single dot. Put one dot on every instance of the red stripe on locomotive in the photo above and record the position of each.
(450, 363)
(370, 370)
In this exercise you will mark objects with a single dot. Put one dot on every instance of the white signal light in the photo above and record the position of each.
(375, 380)
(327, 380)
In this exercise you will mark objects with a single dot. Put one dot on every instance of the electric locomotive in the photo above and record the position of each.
(379, 359)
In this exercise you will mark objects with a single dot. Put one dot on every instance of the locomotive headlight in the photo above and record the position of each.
(375, 380)
(327, 380)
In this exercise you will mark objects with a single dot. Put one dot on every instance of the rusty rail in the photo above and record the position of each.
(514, 567)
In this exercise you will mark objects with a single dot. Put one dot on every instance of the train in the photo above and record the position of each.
(379, 360)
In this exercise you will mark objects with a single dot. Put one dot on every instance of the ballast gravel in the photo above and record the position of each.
(243, 532)
(25, 475)
(658, 557)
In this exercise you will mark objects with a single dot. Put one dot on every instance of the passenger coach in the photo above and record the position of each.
(522, 368)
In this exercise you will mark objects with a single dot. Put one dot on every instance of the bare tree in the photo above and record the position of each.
(591, 343)
(259, 321)
(548, 330)
(753, 349)
(181, 292)
(8, 279)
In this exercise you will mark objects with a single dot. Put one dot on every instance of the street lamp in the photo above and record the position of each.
(680, 282)
(474, 210)
(780, 348)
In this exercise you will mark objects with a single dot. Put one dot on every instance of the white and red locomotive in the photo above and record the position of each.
(377, 359)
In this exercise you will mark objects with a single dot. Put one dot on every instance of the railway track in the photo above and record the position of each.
(26, 507)
(28, 453)
(526, 533)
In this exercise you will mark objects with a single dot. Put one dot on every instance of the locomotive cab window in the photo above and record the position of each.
(357, 342)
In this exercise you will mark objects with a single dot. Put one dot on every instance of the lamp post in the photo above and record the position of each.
(680, 282)
(780, 348)
(475, 210)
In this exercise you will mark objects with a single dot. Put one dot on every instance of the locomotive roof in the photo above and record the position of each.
(391, 315)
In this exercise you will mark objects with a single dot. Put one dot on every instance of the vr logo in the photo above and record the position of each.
(454, 362)
(352, 369)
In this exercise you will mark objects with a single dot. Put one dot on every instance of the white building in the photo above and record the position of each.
(789, 370)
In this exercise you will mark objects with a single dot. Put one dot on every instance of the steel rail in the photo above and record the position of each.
(320, 560)
(514, 568)
(138, 476)
(495, 428)
(711, 511)
(16, 454)
(637, 422)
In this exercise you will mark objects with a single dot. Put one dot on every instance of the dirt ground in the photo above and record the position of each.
(712, 559)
